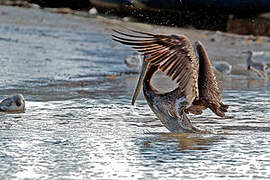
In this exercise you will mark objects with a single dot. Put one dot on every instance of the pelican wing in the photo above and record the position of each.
(209, 91)
(173, 54)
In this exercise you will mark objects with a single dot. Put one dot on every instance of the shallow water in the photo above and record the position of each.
(80, 124)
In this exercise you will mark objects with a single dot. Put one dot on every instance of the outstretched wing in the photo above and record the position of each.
(209, 91)
(173, 54)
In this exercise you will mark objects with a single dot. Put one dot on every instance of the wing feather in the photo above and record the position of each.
(209, 90)
(168, 62)
(173, 54)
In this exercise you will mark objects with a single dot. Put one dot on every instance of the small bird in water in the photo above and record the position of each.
(197, 88)
(14, 103)
(223, 67)
(133, 61)
(257, 70)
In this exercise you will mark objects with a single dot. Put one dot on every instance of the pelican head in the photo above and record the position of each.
(144, 69)
(14, 103)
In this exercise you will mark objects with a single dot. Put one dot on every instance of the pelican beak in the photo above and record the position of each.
(144, 69)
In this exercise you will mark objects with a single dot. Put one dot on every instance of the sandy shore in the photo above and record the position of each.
(220, 46)
(29, 30)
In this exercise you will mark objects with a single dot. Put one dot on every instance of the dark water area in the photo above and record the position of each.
(79, 122)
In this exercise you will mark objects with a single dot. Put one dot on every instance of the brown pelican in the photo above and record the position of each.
(196, 89)
(14, 103)
(257, 70)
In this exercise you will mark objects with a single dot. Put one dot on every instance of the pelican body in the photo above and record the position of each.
(166, 106)
(14, 103)
(196, 89)
(257, 70)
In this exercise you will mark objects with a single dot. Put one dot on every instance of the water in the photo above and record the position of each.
(80, 124)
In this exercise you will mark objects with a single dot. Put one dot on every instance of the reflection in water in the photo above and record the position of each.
(256, 83)
(185, 141)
